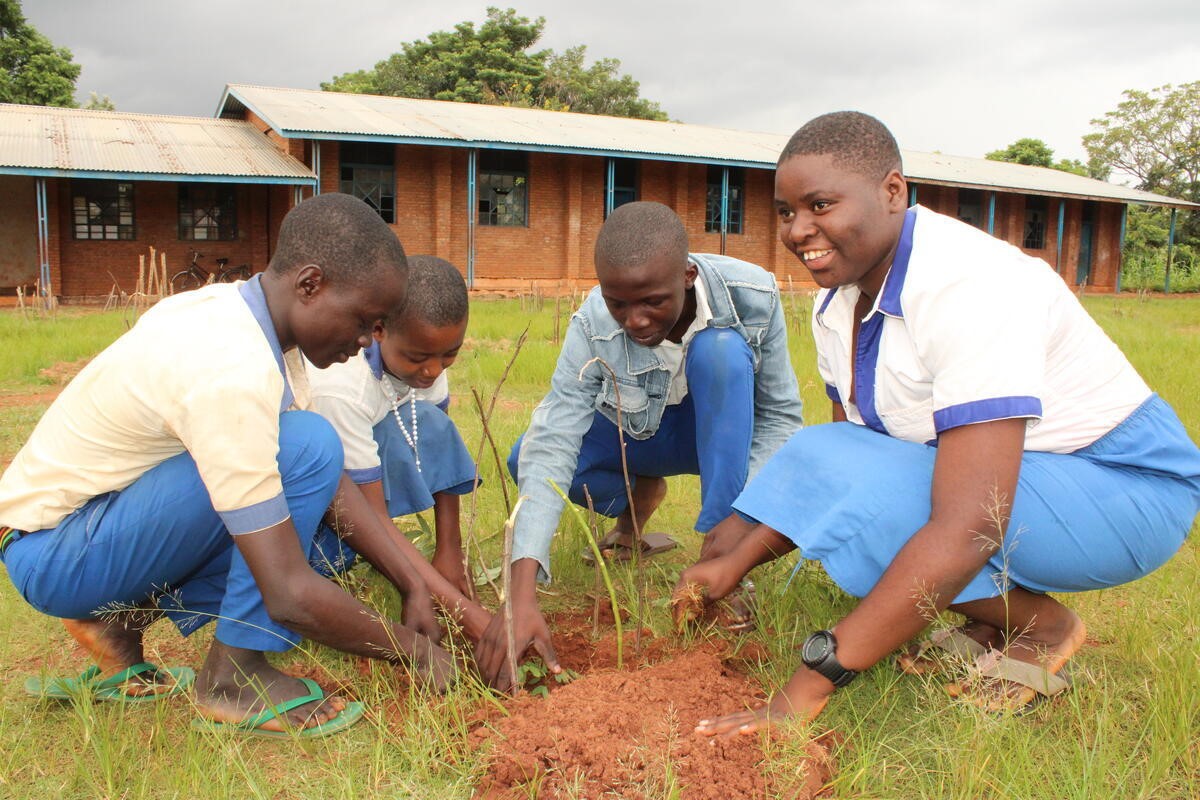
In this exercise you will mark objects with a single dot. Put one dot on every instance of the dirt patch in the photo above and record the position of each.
(59, 375)
(62, 372)
(629, 733)
(29, 398)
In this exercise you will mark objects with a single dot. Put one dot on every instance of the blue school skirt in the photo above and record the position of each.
(446, 466)
(1104, 515)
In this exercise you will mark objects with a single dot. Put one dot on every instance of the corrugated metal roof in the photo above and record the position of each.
(308, 113)
(40, 140)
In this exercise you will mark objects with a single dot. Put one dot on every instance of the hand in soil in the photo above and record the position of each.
(433, 664)
(700, 585)
(529, 628)
(803, 698)
(419, 613)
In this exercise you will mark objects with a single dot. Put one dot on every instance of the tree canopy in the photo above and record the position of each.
(32, 70)
(1036, 153)
(1153, 136)
(494, 64)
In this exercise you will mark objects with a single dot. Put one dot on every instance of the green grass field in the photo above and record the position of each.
(1128, 730)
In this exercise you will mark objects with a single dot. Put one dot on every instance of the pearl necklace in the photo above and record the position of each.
(415, 436)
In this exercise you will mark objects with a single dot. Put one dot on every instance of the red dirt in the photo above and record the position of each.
(628, 733)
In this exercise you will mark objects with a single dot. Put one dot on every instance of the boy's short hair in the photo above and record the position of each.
(857, 141)
(636, 232)
(342, 235)
(437, 295)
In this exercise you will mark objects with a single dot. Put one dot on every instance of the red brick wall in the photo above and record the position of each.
(565, 213)
(91, 268)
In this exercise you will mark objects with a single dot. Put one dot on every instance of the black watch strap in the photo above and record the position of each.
(820, 655)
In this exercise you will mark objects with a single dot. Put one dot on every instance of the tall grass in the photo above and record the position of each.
(1128, 730)
(1147, 270)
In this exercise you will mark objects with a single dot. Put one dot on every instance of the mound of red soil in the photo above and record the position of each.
(629, 734)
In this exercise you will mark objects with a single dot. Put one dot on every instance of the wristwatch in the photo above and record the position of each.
(820, 655)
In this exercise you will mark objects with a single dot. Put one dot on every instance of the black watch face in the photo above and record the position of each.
(816, 647)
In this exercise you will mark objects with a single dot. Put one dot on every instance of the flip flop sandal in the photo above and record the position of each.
(352, 713)
(112, 688)
(737, 611)
(951, 641)
(999, 667)
(612, 550)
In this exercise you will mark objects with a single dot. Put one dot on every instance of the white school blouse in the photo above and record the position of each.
(968, 329)
(355, 397)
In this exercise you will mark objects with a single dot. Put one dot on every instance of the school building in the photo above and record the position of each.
(514, 197)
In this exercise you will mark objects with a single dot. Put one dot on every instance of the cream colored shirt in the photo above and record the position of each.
(356, 396)
(201, 371)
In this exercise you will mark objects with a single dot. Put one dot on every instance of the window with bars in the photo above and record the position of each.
(1035, 224)
(207, 212)
(502, 188)
(712, 205)
(368, 172)
(102, 209)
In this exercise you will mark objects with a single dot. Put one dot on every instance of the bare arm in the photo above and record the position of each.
(529, 628)
(974, 481)
(362, 530)
(473, 617)
(299, 599)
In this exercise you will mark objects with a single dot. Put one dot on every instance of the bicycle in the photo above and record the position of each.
(196, 276)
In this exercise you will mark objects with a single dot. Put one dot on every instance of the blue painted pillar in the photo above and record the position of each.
(610, 187)
(472, 213)
(316, 165)
(1121, 251)
(1062, 215)
(912, 194)
(43, 234)
(991, 213)
(1170, 252)
(724, 206)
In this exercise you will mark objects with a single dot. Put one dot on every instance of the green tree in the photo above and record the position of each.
(1032, 152)
(1036, 153)
(98, 103)
(598, 89)
(32, 70)
(495, 64)
(1154, 137)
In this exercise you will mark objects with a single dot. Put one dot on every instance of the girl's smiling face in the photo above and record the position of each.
(840, 223)
(417, 352)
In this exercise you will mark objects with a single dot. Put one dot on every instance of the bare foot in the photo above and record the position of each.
(235, 684)
(1049, 647)
(449, 564)
(115, 643)
(648, 494)
(923, 659)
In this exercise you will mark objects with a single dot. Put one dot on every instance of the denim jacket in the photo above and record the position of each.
(742, 296)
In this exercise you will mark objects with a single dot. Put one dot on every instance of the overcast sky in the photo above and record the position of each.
(954, 76)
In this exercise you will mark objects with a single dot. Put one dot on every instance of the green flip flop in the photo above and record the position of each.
(352, 713)
(111, 688)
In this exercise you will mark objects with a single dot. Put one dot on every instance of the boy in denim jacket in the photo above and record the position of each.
(697, 348)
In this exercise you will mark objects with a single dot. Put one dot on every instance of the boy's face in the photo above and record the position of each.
(843, 225)
(648, 300)
(332, 323)
(419, 352)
